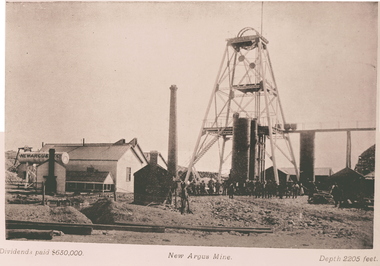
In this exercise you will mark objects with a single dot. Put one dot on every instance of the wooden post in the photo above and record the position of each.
(114, 194)
(175, 195)
(43, 193)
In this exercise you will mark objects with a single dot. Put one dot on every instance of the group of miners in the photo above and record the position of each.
(266, 189)
(270, 189)
(201, 188)
(258, 189)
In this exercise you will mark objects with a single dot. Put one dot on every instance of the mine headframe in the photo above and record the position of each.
(245, 89)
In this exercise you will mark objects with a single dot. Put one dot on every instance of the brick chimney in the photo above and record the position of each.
(173, 146)
(153, 158)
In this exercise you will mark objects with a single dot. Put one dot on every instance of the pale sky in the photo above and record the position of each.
(102, 71)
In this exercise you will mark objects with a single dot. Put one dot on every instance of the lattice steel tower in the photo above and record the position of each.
(246, 89)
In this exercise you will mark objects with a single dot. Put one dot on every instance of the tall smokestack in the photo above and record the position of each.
(173, 146)
(307, 140)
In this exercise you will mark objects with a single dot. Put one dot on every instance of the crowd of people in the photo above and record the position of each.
(266, 189)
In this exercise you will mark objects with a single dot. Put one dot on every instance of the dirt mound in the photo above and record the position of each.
(68, 215)
(11, 177)
(106, 211)
(40, 213)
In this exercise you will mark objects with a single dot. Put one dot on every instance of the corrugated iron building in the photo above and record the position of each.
(122, 159)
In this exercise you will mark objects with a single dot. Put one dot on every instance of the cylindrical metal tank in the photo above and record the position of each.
(307, 145)
(252, 150)
(40, 157)
(240, 148)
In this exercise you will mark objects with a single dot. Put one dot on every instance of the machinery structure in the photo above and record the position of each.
(41, 169)
(245, 104)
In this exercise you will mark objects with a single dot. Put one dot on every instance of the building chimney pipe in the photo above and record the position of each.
(153, 158)
(173, 140)
(51, 163)
(51, 182)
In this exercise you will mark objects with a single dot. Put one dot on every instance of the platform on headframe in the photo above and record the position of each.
(245, 88)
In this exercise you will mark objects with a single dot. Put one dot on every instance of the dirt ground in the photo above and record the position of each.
(295, 223)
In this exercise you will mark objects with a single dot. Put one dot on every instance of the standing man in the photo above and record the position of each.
(184, 198)
(337, 194)
(231, 190)
(312, 190)
(296, 188)
(217, 187)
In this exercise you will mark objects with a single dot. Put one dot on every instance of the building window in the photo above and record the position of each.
(129, 173)
(71, 186)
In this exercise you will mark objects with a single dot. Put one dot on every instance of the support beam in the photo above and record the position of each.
(348, 151)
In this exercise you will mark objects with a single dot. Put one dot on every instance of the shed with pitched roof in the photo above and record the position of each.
(351, 182)
(152, 182)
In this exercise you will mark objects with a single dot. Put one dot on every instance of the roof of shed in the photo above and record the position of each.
(346, 173)
(86, 176)
(370, 175)
(93, 151)
(150, 168)
(319, 171)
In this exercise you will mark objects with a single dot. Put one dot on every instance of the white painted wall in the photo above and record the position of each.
(129, 159)
(59, 172)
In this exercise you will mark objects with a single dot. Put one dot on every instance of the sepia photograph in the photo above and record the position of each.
(190, 132)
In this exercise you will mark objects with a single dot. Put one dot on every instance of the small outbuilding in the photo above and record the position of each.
(284, 174)
(351, 182)
(321, 175)
(152, 182)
